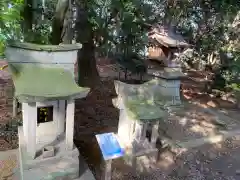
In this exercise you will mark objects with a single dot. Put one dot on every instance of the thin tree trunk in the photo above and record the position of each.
(67, 30)
(87, 70)
(167, 19)
(27, 15)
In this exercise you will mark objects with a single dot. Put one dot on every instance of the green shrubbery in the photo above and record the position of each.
(10, 21)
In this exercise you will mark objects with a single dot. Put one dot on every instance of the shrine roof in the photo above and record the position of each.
(165, 36)
(37, 84)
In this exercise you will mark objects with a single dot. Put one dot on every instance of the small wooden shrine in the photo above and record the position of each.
(163, 43)
(45, 87)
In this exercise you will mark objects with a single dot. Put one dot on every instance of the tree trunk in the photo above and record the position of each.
(67, 30)
(58, 21)
(27, 15)
(87, 70)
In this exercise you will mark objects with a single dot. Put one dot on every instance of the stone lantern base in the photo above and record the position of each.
(62, 164)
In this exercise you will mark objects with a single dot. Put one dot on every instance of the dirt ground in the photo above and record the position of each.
(219, 161)
(95, 114)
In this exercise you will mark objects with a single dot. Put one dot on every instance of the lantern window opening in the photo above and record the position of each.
(44, 114)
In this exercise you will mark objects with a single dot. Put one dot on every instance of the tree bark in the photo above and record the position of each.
(87, 70)
(58, 21)
(27, 15)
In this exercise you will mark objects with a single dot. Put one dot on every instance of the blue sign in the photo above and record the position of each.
(109, 146)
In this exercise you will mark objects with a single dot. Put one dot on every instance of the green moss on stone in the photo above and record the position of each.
(50, 48)
(54, 175)
(144, 110)
(36, 84)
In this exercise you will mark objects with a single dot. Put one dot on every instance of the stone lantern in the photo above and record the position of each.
(138, 119)
(167, 85)
(45, 86)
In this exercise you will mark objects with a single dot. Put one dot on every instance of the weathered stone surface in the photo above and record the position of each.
(65, 163)
(52, 83)
(61, 56)
(48, 151)
(47, 48)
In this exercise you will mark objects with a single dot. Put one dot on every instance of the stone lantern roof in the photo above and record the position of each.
(35, 83)
(48, 48)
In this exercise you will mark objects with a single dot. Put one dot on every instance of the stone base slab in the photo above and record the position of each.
(64, 165)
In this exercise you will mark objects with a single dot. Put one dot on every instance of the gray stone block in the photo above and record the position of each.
(48, 151)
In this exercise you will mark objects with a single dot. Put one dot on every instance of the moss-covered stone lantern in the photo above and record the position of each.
(44, 84)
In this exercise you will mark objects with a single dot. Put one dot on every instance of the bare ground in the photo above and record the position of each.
(220, 161)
